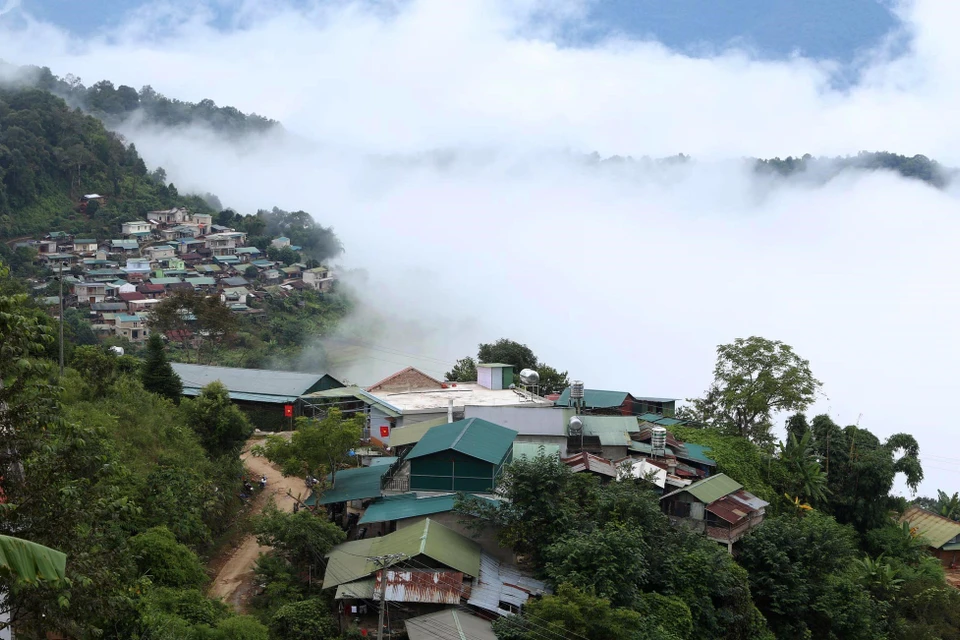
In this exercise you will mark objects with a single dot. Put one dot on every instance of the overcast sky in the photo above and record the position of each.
(627, 278)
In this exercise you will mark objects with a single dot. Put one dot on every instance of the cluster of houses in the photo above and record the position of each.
(120, 279)
(435, 567)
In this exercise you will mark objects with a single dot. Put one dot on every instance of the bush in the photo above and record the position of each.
(166, 561)
(304, 620)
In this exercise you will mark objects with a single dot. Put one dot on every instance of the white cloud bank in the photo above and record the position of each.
(627, 278)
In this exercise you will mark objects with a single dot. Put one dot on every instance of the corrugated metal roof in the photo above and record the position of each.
(248, 397)
(359, 590)
(532, 450)
(588, 462)
(730, 510)
(352, 561)
(936, 529)
(449, 624)
(258, 381)
(358, 483)
(412, 434)
(473, 437)
(710, 489)
(749, 499)
(354, 391)
(613, 431)
(500, 582)
(595, 398)
(411, 505)
(695, 452)
(434, 587)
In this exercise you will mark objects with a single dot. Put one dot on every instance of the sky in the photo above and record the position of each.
(627, 276)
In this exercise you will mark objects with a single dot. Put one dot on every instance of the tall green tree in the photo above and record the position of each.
(221, 425)
(317, 447)
(513, 353)
(157, 375)
(753, 379)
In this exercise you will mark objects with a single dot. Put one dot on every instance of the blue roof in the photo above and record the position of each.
(473, 437)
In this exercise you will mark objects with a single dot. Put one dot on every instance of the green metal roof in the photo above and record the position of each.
(670, 422)
(412, 434)
(710, 489)
(410, 505)
(696, 452)
(358, 590)
(351, 561)
(641, 447)
(358, 483)
(533, 450)
(595, 398)
(473, 437)
(935, 529)
(613, 431)
(360, 394)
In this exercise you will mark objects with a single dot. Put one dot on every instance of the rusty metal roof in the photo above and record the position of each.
(435, 587)
(936, 530)
(500, 582)
(589, 462)
(730, 510)
(749, 499)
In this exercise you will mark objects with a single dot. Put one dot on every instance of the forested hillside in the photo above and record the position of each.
(114, 104)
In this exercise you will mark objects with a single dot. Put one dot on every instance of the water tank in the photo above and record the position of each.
(576, 390)
(658, 440)
(117, 350)
(529, 377)
(575, 426)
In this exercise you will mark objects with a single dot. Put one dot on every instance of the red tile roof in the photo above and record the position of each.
(132, 296)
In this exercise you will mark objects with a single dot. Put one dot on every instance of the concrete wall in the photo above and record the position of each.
(544, 421)
(558, 440)
(487, 539)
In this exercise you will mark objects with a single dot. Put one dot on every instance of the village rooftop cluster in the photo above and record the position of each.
(121, 279)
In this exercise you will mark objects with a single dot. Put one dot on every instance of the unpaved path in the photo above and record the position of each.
(234, 579)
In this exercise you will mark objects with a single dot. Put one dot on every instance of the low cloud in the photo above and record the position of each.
(626, 275)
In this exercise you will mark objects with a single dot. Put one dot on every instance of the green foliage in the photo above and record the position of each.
(157, 375)
(205, 319)
(30, 562)
(753, 379)
(509, 352)
(222, 427)
(918, 167)
(302, 538)
(573, 613)
(317, 447)
(240, 628)
(304, 620)
(167, 562)
(807, 480)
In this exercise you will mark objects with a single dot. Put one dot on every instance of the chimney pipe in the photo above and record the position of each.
(449, 410)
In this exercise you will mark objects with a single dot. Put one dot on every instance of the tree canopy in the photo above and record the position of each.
(513, 353)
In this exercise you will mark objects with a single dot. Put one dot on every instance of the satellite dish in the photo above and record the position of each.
(529, 377)
(575, 426)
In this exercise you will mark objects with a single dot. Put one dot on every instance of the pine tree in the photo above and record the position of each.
(157, 375)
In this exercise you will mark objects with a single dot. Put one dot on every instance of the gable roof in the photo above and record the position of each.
(358, 483)
(417, 380)
(595, 398)
(449, 624)
(473, 437)
(936, 529)
(612, 430)
(709, 489)
(271, 386)
(352, 561)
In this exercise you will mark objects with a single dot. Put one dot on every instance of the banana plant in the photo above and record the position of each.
(30, 561)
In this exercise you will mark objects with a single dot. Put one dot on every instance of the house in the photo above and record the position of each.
(261, 393)
(187, 248)
(467, 455)
(319, 278)
(247, 254)
(131, 327)
(169, 216)
(46, 247)
(536, 425)
(608, 436)
(225, 243)
(409, 379)
(716, 506)
(449, 623)
(137, 267)
(271, 277)
(202, 219)
(136, 227)
(597, 401)
(280, 242)
(124, 246)
(90, 292)
(86, 246)
(684, 459)
(346, 494)
(236, 281)
(159, 252)
(941, 534)
(93, 196)
(588, 463)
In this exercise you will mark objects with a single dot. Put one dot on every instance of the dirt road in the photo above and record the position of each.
(234, 580)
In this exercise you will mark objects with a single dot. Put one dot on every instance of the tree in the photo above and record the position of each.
(250, 272)
(465, 370)
(807, 479)
(30, 562)
(753, 379)
(304, 620)
(221, 425)
(157, 374)
(948, 506)
(166, 561)
(317, 447)
(300, 538)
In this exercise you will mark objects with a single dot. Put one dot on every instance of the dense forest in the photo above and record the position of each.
(115, 104)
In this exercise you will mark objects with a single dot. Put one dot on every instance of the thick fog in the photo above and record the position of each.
(629, 275)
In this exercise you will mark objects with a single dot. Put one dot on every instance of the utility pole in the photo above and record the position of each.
(383, 562)
(61, 318)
